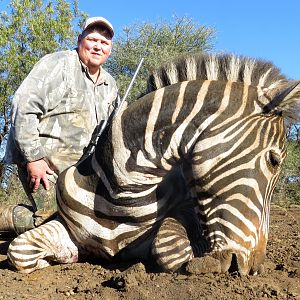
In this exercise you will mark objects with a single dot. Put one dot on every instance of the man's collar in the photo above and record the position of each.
(101, 79)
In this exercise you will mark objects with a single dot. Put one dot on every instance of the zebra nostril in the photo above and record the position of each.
(238, 265)
(234, 264)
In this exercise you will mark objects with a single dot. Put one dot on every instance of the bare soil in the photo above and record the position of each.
(281, 279)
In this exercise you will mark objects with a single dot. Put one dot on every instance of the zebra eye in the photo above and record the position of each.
(274, 160)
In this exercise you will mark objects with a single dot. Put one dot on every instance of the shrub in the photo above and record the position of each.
(287, 191)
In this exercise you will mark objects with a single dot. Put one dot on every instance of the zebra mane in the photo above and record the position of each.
(216, 67)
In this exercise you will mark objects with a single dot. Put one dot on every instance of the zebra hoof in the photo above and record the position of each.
(203, 265)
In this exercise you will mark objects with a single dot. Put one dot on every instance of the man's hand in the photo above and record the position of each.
(37, 173)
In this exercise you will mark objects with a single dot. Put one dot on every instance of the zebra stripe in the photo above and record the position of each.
(171, 245)
(48, 243)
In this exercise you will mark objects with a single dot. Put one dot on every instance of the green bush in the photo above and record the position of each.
(287, 192)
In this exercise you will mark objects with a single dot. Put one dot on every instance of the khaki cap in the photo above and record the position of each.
(101, 21)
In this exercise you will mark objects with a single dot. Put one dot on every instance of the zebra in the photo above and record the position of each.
(186, 170)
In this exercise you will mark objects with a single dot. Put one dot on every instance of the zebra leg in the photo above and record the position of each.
(171, 246)
(41, 247)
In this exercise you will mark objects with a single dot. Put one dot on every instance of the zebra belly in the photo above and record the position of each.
(102, 237)
(98, 226)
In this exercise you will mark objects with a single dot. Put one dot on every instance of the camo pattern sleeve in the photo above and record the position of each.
(56, 109)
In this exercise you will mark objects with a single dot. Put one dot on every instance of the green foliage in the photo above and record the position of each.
(292, 163)
(32, 29)
(157, 43)
(288, 192)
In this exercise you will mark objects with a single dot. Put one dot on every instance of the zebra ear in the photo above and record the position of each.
(284, 98)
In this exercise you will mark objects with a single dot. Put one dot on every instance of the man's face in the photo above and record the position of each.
(94, 48)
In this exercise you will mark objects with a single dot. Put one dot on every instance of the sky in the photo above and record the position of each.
(261, 29)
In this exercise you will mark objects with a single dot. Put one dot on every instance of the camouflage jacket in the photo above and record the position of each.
(55, 111)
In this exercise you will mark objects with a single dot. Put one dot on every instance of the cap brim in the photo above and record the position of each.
(101, 23)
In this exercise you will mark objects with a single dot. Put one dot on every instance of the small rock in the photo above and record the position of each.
(181, 277)
(203, 265)
(133, 276)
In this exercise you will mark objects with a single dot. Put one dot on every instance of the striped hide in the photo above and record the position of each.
(186, 170)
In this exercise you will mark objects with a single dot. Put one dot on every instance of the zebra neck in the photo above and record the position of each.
(154, 133)
(158, 130)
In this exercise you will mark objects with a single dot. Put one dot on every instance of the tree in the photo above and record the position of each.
(32, 29)
(157, 42)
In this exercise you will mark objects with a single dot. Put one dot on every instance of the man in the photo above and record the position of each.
(54, 114)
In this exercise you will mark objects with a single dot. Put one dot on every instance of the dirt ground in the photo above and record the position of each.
(281, 279)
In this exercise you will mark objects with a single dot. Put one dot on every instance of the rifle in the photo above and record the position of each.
(103, 123)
